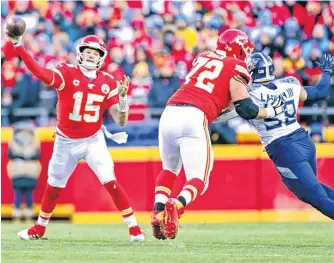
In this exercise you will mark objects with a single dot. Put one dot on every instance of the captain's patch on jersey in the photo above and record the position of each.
(76, 82)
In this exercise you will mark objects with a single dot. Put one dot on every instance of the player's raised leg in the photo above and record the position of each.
(197, 158)
(61, 166)
(329, 191)
(171, 166)
(99, 160)
(294, 158)
(301, 180)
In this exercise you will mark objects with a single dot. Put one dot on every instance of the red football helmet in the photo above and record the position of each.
(235, 43)
(93, 42)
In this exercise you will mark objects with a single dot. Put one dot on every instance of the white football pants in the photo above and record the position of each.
(68, 152)
(184, 138)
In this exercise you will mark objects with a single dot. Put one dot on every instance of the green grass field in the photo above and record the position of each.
(279, 242)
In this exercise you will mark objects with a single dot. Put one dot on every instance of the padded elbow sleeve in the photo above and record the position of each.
(246, 109)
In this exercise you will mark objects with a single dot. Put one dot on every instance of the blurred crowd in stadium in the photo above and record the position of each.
(154, 42)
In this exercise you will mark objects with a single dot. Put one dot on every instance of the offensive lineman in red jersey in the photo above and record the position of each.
(216, 79)
(84, 93)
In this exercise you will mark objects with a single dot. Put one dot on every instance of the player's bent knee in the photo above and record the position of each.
(106, 177)
(113, 181)
(206, 186)
(174, 171)
(54, 182)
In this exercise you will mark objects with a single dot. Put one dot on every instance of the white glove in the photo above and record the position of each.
(275, 107)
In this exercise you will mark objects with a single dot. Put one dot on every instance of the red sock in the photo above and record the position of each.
(191, 190)
(49, 202)
(120, 198)
(164, 185)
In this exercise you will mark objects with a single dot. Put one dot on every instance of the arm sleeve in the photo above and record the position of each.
(321, 90)
(49, 77)
(246, 109)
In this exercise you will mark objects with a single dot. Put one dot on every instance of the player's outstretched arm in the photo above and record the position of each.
(246, 108)
(120, 111)
(321, 90)
(46, 75)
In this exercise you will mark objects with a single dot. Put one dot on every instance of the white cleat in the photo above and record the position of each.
(34, 232)
(136, 234)
(138, 238)
(24, 235)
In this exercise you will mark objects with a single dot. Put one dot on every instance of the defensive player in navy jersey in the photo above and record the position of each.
(288, 145)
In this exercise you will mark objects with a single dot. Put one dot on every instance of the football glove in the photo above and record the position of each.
(327, 64)
(275, 107)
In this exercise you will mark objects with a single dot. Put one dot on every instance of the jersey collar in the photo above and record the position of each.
(91, 74)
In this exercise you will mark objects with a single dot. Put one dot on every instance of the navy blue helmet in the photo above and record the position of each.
(261, 67)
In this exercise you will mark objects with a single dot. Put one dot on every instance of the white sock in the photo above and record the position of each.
(130, 221)
(186, 195)
(160, 198)
(43, 220)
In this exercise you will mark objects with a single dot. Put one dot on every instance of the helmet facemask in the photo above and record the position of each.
(261, 67)
(90, 61)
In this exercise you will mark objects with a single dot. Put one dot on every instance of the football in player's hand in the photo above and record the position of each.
(15, 26)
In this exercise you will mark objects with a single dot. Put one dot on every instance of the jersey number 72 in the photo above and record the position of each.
(214, 68)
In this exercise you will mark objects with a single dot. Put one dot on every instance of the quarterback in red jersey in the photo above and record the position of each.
(84, 93)
(217, 79)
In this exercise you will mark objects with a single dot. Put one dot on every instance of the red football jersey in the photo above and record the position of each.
(81, 102)
(207, 83)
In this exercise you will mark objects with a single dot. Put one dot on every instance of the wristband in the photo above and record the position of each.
(123, 105)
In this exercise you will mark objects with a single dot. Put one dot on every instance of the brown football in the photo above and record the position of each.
(15, 26)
